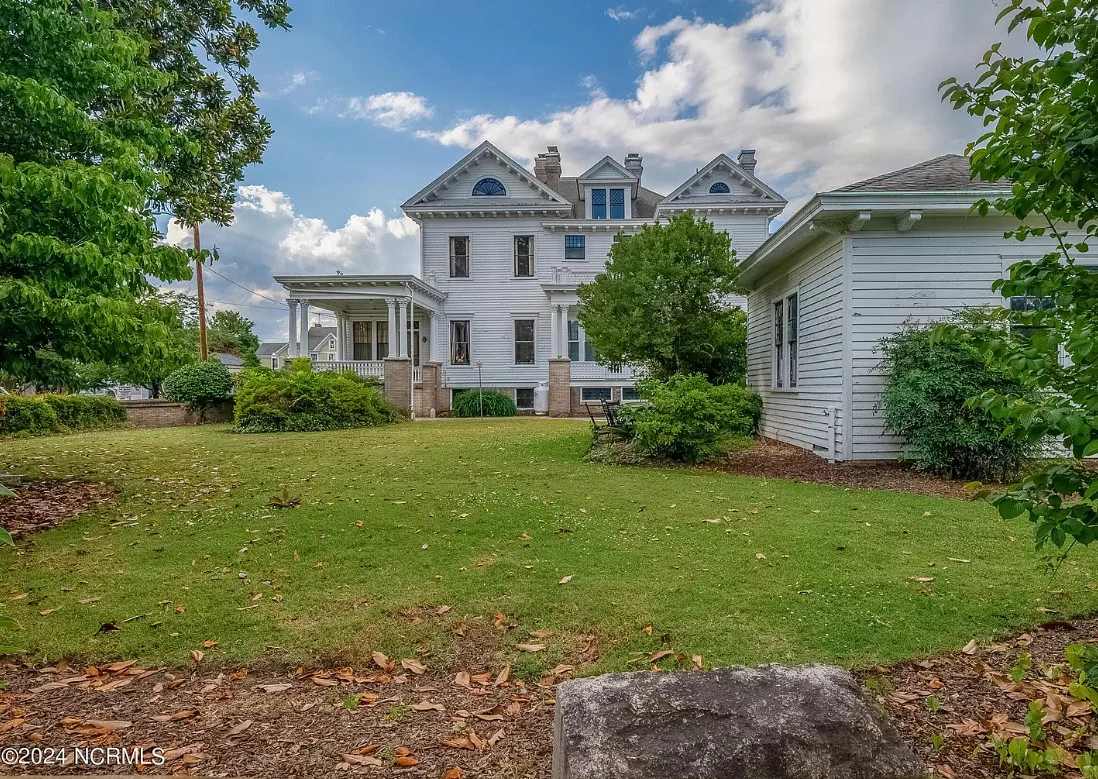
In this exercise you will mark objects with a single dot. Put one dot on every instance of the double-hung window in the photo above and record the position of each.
(460, 346)
(580, 346)
(575, 247)
(363, 340)
(524, 342)
(786, 332)
(459, 256)
(617, 204)
(524, 255)
(598, 203)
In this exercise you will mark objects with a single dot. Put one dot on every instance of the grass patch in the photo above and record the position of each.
(487, 517)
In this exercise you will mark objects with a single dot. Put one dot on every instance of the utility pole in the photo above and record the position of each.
(201, 298)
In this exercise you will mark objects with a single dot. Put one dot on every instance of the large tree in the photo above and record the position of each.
(1042, 118)
(661, 303)
(78, 150)
(219, 123)
(232, 333)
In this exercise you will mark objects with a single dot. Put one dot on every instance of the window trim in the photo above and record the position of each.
(782, 379)
(468, 256)
(533, 254)
(533, 320)
(469, 342)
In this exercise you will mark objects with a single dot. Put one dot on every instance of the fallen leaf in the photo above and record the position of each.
(406, 761)
(428, 706)
(530, 647)
(503, 676)
(541, 633)
(47, 612)
(971, 647)
(452, 773)
(240, 728)
(561, 669)
(566, 579)
(179, 715)
(461, 742)
(462, 679)
(760, 556)
(362, 760)
(697, 662)
(412, 665)
(275, 687)
(382, 661)
(959, 560)
(442, 609)
(648, 629)
(657, 656)
(920, 579)
(90, 600)
(209, 644)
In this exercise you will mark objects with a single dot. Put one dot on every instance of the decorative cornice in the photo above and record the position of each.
(907, 221)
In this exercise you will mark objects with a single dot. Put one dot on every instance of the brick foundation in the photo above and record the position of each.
(431, 395)
(560, 389)
(398, 381)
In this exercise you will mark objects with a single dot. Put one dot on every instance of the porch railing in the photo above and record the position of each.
(417, 375)
(565, 275)
(375, 368)
(592, 370)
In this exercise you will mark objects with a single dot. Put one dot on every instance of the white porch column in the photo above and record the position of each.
(434, 357)
(304, 325)
(348, 352)
(402, 339)
(562, 330)
(554, 332)
(291, 350)
(391, 303)
(341, 333)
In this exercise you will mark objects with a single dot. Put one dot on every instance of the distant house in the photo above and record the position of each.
(322, 348)
(231, 361)
(851, 267)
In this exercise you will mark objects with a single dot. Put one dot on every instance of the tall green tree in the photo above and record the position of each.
(1042, 118)
(660, 303)
(78, 150)
(209, 101)
(232, 333)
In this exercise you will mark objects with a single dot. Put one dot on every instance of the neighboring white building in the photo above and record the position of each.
(502, 251)
(322, 348)
(851, 267)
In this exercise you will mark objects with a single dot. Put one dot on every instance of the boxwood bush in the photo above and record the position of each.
(929, 374)
(688, 419)
(488, 403)
(199, 384)
(45, 414)
(302, 399)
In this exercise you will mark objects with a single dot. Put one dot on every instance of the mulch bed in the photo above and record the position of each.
(423, 722)
(770, 459)
(41, 505)
(979, 700)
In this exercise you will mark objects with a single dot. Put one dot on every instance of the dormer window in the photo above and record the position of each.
(489, 188)
(719, 188)
(600, 198)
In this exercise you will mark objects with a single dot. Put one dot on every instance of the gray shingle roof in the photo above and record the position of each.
(318, 334)
(228, 360)
(644, 207)
(270, 347)
(948, 173)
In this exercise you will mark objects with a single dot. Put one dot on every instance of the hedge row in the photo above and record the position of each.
(45, 414)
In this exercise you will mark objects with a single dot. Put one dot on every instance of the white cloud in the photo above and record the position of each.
(299, 79)
(268, 237)
(827, 91)
(622, 14)
(390, 109)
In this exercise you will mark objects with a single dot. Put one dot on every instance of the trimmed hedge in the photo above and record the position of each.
(689, 419)
(44, 414)
(86, 412)
(301, 399)
(471, 403)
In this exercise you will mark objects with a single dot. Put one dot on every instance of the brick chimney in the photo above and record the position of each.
(633, 165)
(547, 167)
(747, 160)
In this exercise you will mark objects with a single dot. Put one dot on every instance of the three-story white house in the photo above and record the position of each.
(502, 251)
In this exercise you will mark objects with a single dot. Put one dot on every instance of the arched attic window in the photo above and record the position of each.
(489, 188)
(719, 188)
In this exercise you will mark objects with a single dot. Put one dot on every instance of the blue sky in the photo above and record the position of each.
(370, 101)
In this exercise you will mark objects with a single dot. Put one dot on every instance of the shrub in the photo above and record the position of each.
(302, 399)
(27, 415)
(929, 374)
(494, 404)
(199, 384)
(689, 419)
(86, 412)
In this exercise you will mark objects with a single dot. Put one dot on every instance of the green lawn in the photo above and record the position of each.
(487, 517)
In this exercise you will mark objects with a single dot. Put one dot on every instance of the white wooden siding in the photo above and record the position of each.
(463, 187)
(921, 276)
(800, 416)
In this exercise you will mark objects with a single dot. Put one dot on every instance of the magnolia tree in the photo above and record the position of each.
(1042, 118)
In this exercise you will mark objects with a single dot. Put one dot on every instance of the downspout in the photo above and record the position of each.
(411, 353)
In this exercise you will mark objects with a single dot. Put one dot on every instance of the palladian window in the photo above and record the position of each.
(489, 188)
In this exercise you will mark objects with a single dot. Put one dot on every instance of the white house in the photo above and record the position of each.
(322, 348)
(502, 251)
(851, 267)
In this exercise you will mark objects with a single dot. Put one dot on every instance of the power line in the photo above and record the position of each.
(248, 305)
(246, 289)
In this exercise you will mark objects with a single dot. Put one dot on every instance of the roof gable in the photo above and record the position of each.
(485, 161)
(607, 169)
(743, 186)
